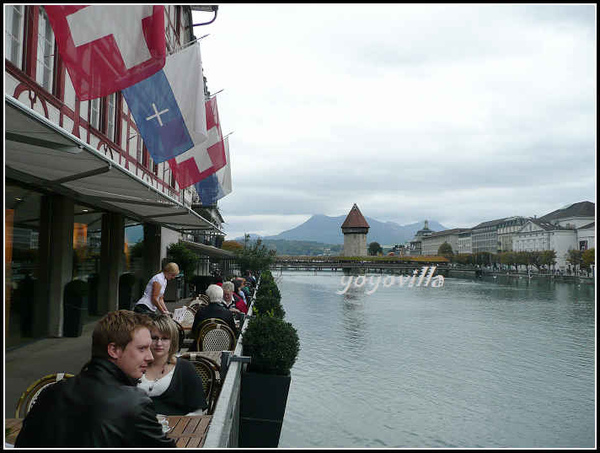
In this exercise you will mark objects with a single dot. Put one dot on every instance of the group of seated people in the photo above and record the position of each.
(134, 374)
(227, 301)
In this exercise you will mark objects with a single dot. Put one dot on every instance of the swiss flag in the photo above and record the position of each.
(202, 160)
(108, 48)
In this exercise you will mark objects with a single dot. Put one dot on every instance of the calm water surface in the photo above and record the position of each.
(473, 364)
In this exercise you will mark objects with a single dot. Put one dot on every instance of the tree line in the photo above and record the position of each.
(540, 260)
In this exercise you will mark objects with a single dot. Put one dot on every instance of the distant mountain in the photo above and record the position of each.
(325, 229)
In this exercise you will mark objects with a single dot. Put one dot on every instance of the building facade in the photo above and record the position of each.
(568, 228)
(430, 244)
(415, 246)
(83, 198)
(464, 242)
(586, 236)
(484, 237)
(538, 235)
(506, 230)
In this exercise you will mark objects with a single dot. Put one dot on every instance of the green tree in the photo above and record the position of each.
(548, 258)
(588, 258)
(445, 250)
(255, 256)
(185, 259)
(508, 259)
(573, 256)
(463, 258)
(231, 246)
(375, 249)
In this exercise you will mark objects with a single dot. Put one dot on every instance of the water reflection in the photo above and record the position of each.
(353, 318)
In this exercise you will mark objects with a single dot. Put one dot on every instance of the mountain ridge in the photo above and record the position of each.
(325, 229)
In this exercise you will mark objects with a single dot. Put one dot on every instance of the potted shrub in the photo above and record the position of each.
(269, 304)
(273, 345)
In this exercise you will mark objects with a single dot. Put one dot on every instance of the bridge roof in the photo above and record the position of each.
(355, 219)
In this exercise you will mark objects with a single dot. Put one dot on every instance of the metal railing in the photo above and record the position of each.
(223, 431)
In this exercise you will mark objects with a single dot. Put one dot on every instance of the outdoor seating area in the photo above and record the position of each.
(215, 337)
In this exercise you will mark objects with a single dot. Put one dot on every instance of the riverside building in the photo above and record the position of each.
(83, 198)
(430, 244)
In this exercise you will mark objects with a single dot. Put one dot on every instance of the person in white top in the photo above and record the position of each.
(152, 300)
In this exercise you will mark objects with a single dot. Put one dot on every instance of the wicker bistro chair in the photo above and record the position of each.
(215, 335)
(209, 372)
(181, 333)
(188, 317)
(194, 306)
(30, 396)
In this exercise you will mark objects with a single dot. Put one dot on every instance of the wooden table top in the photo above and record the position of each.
(188, 432)
(12, 427)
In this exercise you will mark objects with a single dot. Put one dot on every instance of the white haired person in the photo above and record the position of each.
(152, 301)
(233, 301)
(214, 309)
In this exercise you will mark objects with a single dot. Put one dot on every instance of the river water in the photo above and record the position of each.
(475, 363)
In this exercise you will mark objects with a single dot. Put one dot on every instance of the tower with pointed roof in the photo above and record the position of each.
(355, 229)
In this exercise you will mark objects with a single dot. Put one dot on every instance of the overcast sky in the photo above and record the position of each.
(454, 113)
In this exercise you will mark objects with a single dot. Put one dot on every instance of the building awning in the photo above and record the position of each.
(43, 154)
(208, 250)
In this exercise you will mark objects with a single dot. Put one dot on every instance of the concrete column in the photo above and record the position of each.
(111, 259)
(152, 251)
(56, 264)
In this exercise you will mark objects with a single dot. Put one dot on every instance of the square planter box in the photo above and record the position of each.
(262, 408)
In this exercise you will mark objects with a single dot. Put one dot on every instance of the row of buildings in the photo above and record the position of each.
(81, 189)
(571, 227)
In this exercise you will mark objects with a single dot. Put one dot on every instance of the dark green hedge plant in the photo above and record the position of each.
(272, 343)
(269, 304)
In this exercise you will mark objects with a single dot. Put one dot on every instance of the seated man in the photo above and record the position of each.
(213, 310)
(101, 406)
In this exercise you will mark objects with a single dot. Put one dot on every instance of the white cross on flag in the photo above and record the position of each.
(205, 159)
(108, 48)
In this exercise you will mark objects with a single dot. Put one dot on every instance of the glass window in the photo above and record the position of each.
(87, 230)
(13, 34)
(95, 113)
(112, 110)
(87, 238)
(22, 263)
(132, 282)
(45, 52)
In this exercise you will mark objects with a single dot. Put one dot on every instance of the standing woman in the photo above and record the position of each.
(170, 381)
(152, 299)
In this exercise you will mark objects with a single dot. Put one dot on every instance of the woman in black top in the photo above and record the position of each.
(171, 382)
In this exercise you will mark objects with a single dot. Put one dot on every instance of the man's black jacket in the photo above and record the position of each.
(100, 407)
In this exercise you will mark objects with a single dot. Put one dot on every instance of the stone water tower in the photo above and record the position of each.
(355, 229)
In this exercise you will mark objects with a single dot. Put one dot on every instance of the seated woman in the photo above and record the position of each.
(238, 293)
(231, 300)
(171, 382)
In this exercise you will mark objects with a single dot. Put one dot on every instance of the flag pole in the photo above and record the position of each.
(189, 43)
(214, 94)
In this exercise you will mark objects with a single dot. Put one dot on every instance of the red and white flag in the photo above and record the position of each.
(205, 159)
(108, 48)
